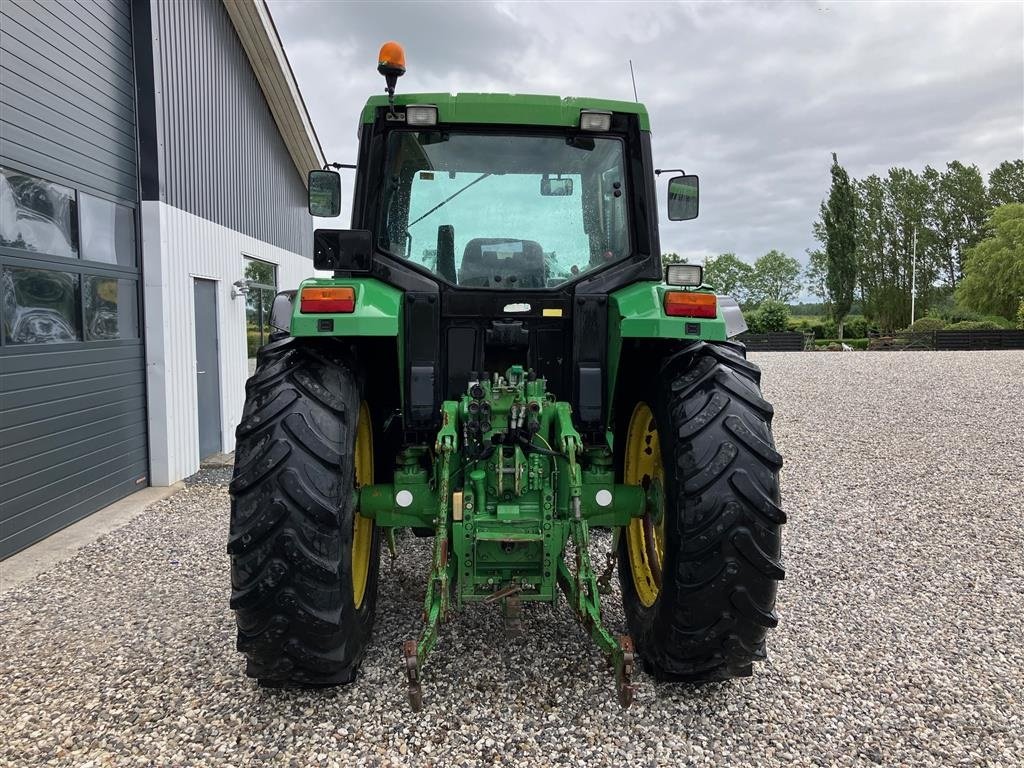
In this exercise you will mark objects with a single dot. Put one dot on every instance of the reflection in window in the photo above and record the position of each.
(37, 215)
(261, 280)
(524, 212)
(40, 306)
(108, 231)
(111, 308)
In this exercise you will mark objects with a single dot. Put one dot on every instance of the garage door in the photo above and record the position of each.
(72, 372)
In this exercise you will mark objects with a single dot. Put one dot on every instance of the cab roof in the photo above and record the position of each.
(508, 108)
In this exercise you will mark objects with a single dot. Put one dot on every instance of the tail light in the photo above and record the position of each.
(327, 300)
(689, 304)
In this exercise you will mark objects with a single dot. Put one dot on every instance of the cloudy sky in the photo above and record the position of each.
(752, 96)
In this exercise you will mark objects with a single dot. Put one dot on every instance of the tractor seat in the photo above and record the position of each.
(502, 262)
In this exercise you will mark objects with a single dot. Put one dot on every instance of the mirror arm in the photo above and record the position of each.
(659, 171)
(338, 166)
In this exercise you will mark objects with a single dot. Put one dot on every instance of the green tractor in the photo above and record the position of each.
(501, 362)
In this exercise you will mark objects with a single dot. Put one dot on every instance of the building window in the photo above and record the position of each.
(108, 231)
(95, 297)
(261, 282)
(111, 308)
(37, 215)
(40, 306)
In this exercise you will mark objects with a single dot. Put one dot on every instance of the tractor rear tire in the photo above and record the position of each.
(293, 519)
(720, 545)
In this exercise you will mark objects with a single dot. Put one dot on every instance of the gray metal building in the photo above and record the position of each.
(152, 154)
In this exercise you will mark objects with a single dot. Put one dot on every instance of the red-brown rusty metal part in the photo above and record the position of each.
(625, 676)
(412, 672)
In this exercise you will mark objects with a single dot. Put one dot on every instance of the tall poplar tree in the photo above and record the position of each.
(839, 215)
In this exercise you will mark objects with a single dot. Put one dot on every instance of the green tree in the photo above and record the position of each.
(956, 213)
(814, 277)
(1006, 183)
(729, 275)
(994, 269)
(775, 277)
(671, 258)
(839, 217)
(889, 213)
(773, 316)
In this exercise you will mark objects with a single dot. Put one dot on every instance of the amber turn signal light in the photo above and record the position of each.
(688, 304)
(328, 300)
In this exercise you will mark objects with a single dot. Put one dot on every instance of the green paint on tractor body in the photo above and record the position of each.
(377, 312)
(508, 108)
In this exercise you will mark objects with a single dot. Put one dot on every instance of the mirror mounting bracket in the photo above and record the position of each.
(659, 171)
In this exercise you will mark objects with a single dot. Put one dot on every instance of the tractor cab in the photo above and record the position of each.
(504, 224)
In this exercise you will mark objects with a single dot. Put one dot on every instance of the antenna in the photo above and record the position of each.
(633, 78)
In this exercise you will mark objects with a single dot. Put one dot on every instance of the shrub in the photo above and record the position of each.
(975, 325)
(753, 321)
(769, 317)
(821, 328)
(253, 342)
(855, 327)
(774, 316)
(1002, 322)
(959, 315)
(926, 324)
(855, 343)
(1020, 315)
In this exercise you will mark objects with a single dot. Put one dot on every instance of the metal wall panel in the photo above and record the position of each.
(224, 159)
(67, 101)
(181, 246)
(72, 434)
(72, 416)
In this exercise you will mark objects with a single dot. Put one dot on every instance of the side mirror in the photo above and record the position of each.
(555, 187)
(324, 193)
(683, 198)
(347, 250)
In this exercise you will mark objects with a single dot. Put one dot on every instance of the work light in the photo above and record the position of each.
(592, 120)
(421, 114)
(684, 275)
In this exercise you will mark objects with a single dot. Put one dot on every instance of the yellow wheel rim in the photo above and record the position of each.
(645, 540)
(362, 527)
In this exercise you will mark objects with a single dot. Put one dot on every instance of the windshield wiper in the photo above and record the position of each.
(449, 199)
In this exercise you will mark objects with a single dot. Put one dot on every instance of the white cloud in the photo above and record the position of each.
(753, 97)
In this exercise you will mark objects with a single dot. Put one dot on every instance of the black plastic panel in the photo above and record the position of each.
(422, 335)
(590, 344)
(462, 358)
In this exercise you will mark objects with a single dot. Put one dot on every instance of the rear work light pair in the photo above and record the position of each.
(333, 300)
(426, 115)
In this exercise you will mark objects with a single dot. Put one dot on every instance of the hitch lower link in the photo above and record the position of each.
(582, 588)
(436, 603)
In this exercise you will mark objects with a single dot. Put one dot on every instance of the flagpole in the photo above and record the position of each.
(913, 278)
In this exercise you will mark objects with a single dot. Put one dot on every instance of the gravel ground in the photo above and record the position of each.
(899, 642)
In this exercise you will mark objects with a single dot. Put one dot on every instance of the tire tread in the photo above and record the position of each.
(723, 524)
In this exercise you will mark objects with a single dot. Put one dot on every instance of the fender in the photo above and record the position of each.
(636, 316)
(378, 310)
